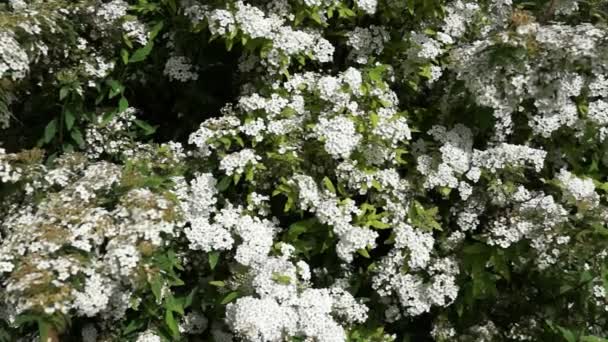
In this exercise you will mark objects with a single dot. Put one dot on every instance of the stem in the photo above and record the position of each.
(549, 12)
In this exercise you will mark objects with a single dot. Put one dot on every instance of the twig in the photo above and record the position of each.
(549, 12)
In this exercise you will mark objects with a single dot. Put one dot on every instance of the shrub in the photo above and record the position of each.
(304, 170)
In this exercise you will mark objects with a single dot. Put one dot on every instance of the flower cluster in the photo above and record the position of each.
(304, 170)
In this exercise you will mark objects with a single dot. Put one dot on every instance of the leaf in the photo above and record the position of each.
(142, 53)
(69, 119)
(229, 297)
(77, 136)
(329, 185)
(281, 278)
(64, 92)
(156, 285)
(592, 339)
(566, 334)
(174, 304)
(124, 54)
(224, 183)
(379, 224)
(171, 323)
(300, 227)
(123, 104)
(217, 283)
(156, 29)
(188, 300)
(115, 88)
(44, 329)
(50, 130)
(148, 129)
(213, 259)
(133, 326)
(363, 252)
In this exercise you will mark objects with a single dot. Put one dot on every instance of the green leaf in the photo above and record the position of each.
(424, 218)
(142, 53)
(300, 227)
(281, 278)
(224, 183)
(174, 304)
(188, 300)
(77, 136)
(50, 131)
(69, 119)
(123, 104)
(148, 129)
(229, 297)
(64, 92)
(217, 283)
(133, 326)
(124, 54)
(379, 224)
(171, 323)
(329, 185)
(156, 285)
(156, 29)
(44, 330)
(115, 88)
(363, 252)
(213, 259)
(592, 339)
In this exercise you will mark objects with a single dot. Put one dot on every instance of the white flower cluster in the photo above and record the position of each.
(8, 172)
(236, 162)
(366, 42)
(367, 6)
(287, 306)
(14, 62)
(136, 31)
(44, 254)
(580, 189)
(326, 207)
(98, 68)
(415, 294)
(339, 135)
(254, 23)
(179, 68)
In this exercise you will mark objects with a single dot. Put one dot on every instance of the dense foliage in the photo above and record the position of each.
(304, 170)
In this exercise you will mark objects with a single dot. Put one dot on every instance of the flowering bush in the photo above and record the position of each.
(304, 170)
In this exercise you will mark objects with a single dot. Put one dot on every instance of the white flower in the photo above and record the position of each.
(581, 189)
(339, 135)
(236, 162)
(179, 68)
(367, 6)
(13, 59)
